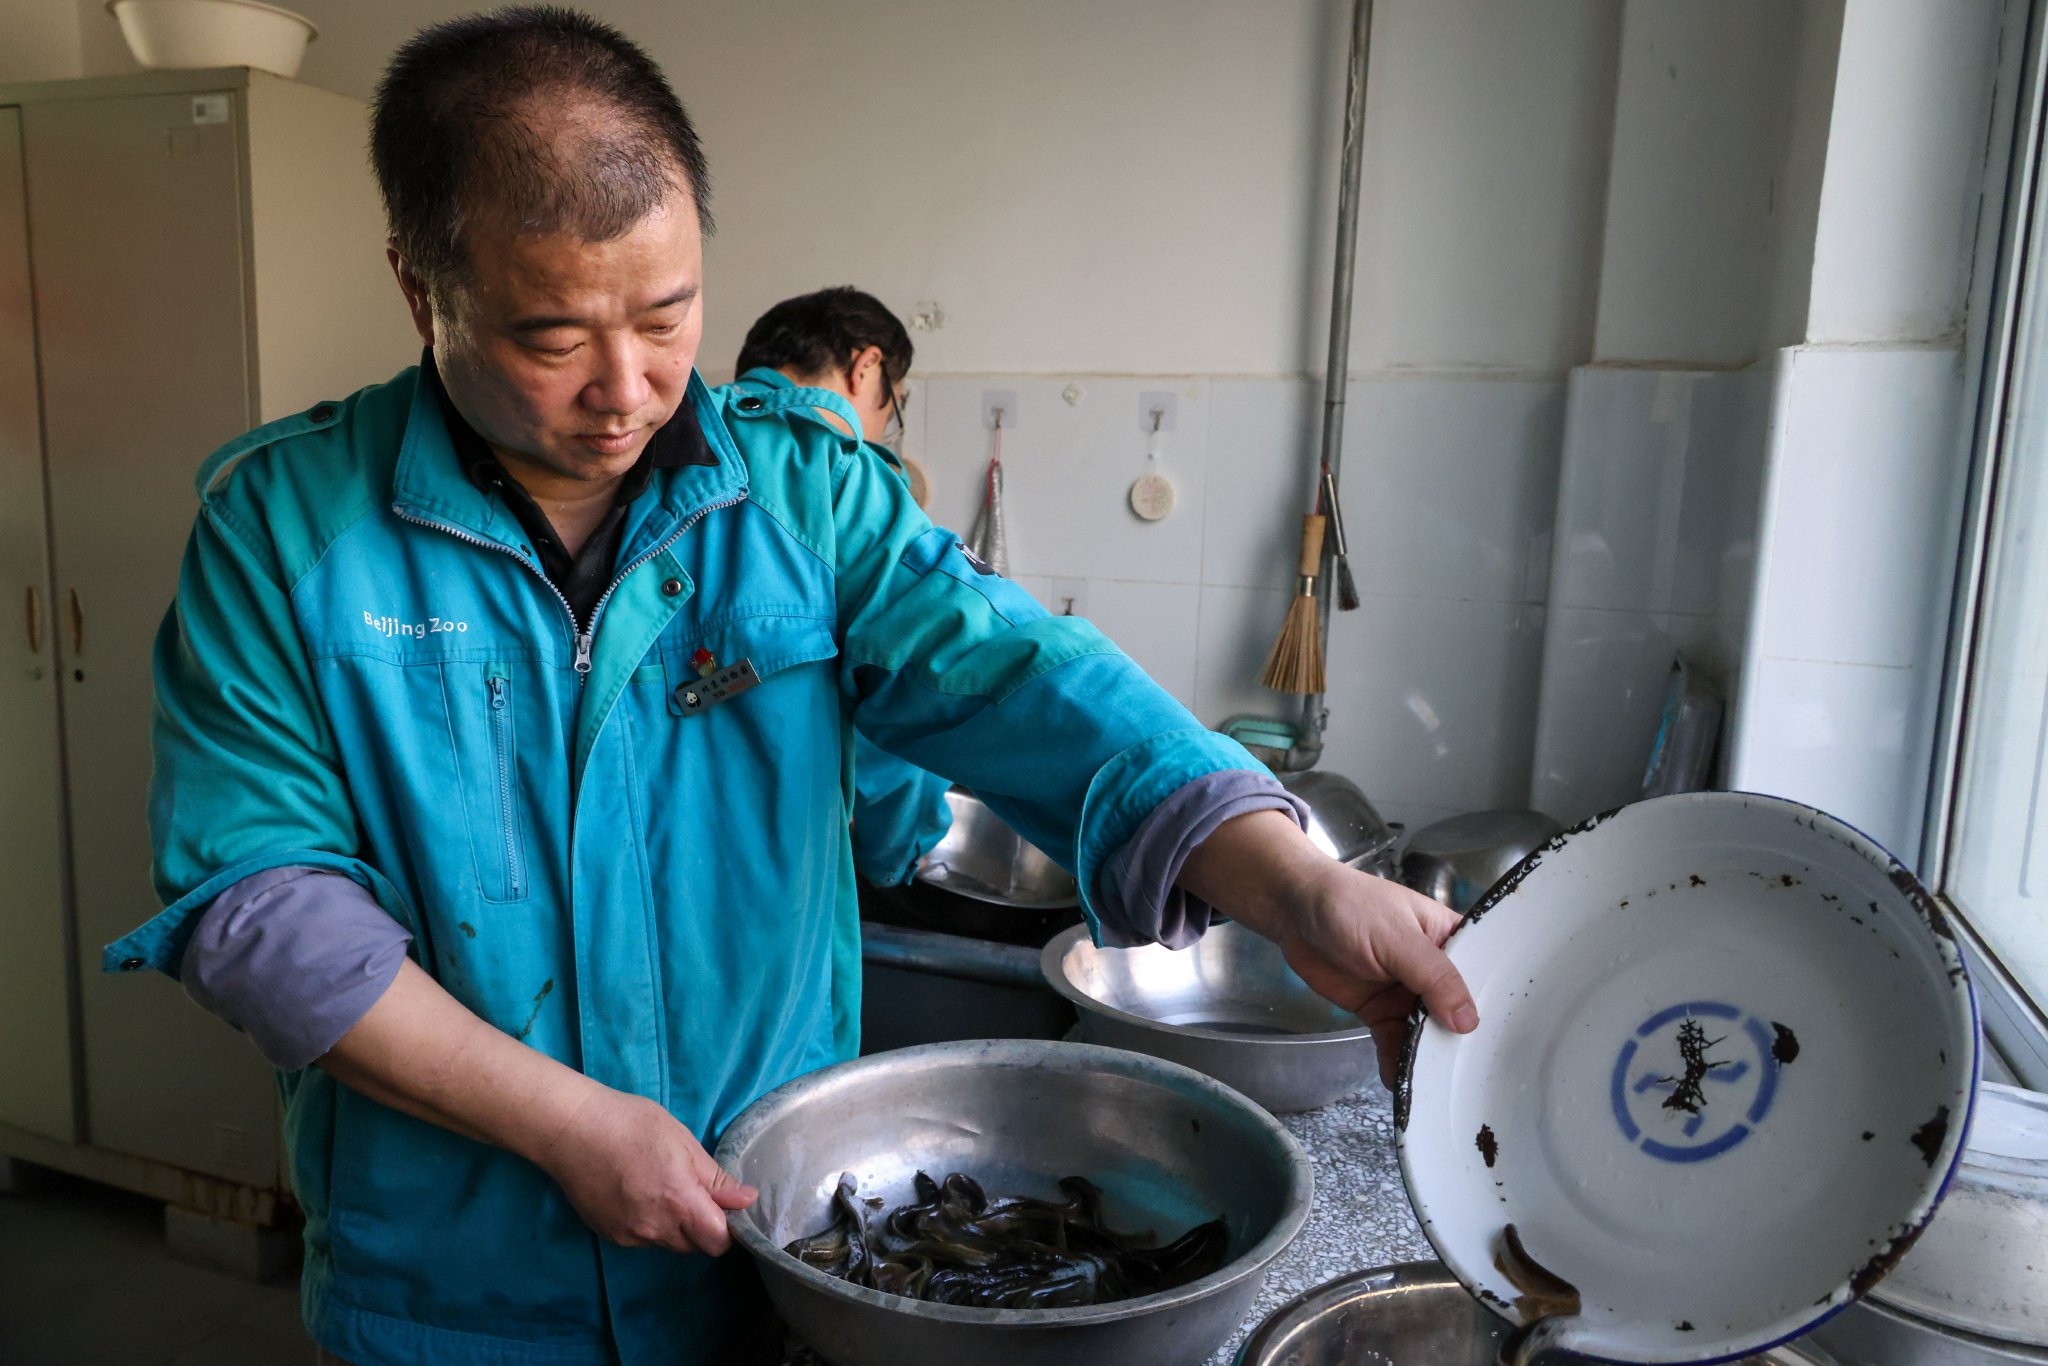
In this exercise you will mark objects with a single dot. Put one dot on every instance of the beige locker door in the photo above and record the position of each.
(35, 973)
(135, 218)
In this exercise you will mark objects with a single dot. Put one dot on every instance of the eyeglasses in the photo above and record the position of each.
(899, 400)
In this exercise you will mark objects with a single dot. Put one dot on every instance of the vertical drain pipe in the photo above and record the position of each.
(1308, 749)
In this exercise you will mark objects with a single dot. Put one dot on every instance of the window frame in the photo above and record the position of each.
(2012, 252)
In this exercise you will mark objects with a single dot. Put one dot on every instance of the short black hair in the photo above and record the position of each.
(460, 129)
(816, 334)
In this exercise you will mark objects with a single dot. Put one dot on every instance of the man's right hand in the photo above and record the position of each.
(634, 1173)
(640, 1178)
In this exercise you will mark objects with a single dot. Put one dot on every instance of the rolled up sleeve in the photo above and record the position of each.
(1136, 895)
(293, 957)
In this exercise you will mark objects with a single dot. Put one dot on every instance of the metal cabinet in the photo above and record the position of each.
(35, 1002)
(182, 255)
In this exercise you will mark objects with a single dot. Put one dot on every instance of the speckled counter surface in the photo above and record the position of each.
(1360, 1217)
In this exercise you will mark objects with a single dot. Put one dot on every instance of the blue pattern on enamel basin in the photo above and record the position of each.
(1735, 1089)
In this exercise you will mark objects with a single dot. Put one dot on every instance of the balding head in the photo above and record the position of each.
(533, 118)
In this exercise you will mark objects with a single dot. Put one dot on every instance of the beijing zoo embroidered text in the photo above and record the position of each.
(432, 626)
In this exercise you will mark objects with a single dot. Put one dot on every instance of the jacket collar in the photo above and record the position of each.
(431, 483)
(767, 376)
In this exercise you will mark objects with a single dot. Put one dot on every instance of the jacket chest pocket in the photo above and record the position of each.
(483, 726)
(715, 667)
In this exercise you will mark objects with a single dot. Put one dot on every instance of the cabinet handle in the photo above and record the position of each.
(77, 624)
(32, 612)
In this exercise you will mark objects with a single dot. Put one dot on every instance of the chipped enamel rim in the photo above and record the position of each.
(1947, 1158)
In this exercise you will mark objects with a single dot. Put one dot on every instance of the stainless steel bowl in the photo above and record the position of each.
(1456, 859)
(1981, 1265)
(982, 858)
(1415, 1312)
(1169, 1147)
(1871, 1333)
(1228, 1005)
(1342, 821)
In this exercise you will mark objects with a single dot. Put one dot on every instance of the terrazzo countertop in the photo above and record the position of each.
(1360, 1217)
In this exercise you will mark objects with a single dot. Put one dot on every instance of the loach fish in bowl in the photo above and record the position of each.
(1186, 1193)
(954, 1244)
(1725, 1065)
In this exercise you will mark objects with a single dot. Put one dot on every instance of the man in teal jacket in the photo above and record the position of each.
(845, 341)
(501, 729)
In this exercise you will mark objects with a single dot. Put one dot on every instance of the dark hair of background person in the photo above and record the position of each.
(532, 113)
(817, 334)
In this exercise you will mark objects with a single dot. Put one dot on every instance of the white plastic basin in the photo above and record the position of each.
(184, 34)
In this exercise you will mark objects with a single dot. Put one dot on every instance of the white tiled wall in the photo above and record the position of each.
(1856, 562)
(1791, 527)
(1449, 484)
(1655, 545)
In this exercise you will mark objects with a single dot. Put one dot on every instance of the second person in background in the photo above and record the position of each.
(847, 345)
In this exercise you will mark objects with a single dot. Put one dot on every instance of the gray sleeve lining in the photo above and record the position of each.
(1136, 897)
(293, 957)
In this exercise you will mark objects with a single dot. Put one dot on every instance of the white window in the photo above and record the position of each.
(1989, 813)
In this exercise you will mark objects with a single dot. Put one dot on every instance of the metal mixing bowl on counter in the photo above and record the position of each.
(983, 859)
(1415, 1312)
(1170, 1149)
(1228, 1005)
(1343, 823)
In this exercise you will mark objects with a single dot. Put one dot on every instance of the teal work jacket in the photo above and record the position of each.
(899, 810)
(365, 671)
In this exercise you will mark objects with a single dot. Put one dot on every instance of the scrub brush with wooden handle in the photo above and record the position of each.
(1296, 664)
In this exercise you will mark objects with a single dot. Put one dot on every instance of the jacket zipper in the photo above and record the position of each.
(598, 611)
(584, 638)
(501, 746)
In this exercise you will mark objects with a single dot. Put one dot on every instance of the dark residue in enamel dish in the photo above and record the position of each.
(1929, 1137)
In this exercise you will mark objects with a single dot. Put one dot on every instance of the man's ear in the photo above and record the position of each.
(417, 300)
(864, 376)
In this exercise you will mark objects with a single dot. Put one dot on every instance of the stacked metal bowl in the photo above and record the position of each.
(1975, 1286)
(1228, 1006)
(1413, 1312)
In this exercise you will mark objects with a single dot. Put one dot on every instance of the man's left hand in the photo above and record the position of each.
(1369, 945)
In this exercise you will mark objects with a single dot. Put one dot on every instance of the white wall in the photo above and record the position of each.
(1485, 167)
(1094, 192)
(1656, 544)
(1800, 540)
(1142, 187)
(1720, 140)
(38, 40)
(102, 51)
(1906, 154)
(1855, 565)
(1712, 183)
(1841, 669)
(1449, 492)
